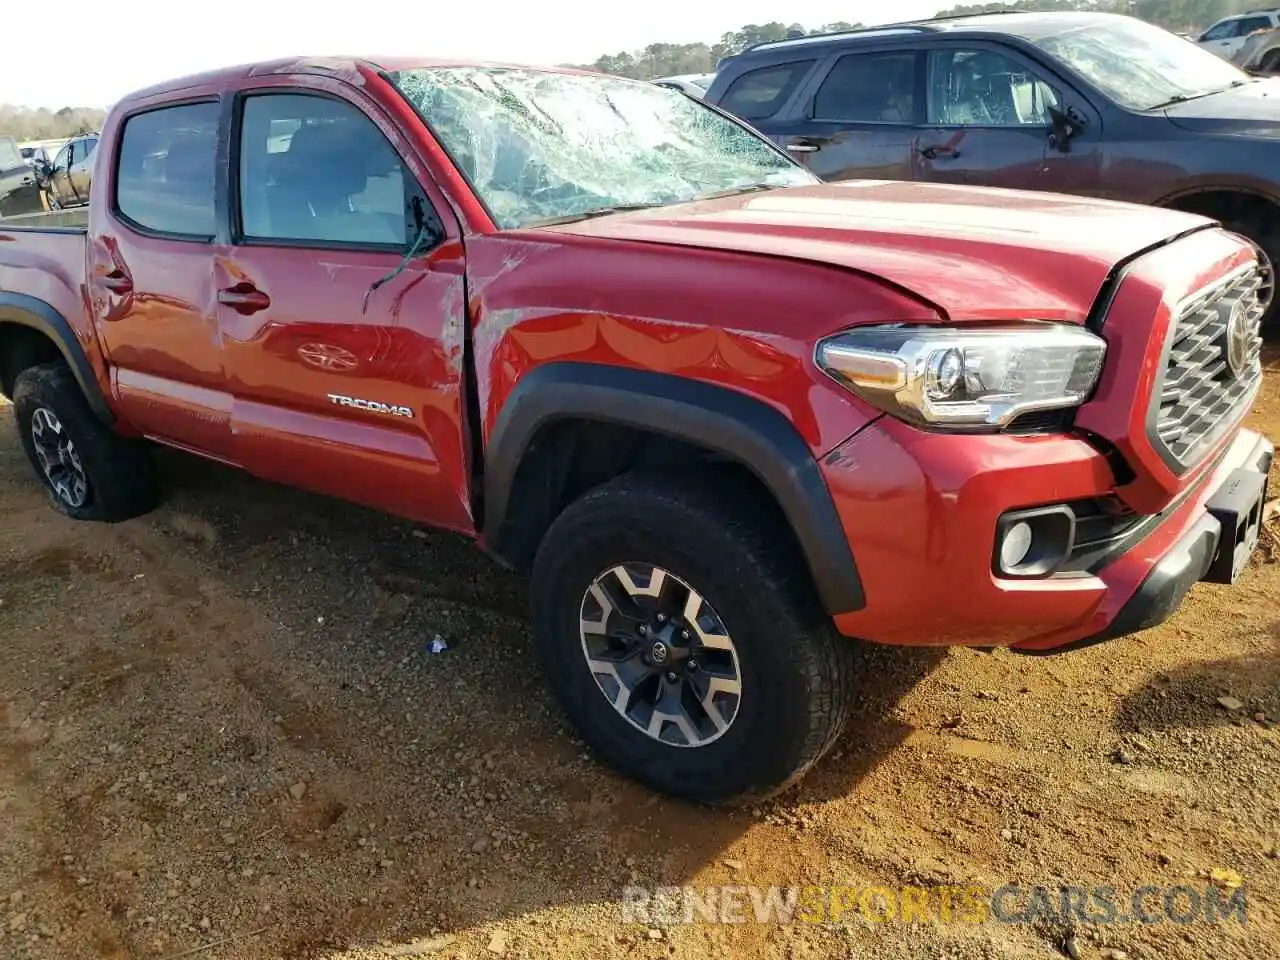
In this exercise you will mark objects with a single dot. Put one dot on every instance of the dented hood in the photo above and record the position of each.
(974, 254)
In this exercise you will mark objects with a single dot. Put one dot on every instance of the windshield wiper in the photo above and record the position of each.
(734, 191)
(592, 214)
(1185, 97)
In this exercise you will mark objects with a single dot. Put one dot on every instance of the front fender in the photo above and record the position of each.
(725, 421)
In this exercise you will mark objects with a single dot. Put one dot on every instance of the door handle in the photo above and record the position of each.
(802, 146)
(118, 282)
(937, 151)
(244, 298)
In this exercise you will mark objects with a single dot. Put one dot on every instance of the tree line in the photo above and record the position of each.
(25, 123)
(670, 59)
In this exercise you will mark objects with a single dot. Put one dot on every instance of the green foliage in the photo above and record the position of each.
(672, 59)
(23, 123)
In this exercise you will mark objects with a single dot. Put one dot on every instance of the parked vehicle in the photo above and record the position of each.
(725, 415)
(694, 84)
(1228, 36)
(68, 178)
(1029, 101)
(19, 190)
(1260, 53)
(33, 154)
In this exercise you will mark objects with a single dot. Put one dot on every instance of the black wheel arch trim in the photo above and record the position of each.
(31, 312)
(716, 418)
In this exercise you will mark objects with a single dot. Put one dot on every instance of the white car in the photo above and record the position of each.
(1227, 36)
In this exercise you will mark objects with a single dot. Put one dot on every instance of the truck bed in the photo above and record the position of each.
(42, 284)
(75, 220)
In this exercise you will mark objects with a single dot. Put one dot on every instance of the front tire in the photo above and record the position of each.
(89, 472)
(684, 640)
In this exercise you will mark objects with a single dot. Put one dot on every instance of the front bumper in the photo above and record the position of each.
(920, 511)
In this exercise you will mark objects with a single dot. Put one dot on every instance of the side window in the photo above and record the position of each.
(876, 87)
(1225, 30)
(62, 161)
(317, 170)
(165, 177)
(86, 148)
(982, 88)
(1250, 24)
(759, 94)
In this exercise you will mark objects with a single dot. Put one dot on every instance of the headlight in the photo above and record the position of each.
(978, 378)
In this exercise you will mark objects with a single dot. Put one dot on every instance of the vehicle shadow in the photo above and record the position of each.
(467, 781)
(1210, 694)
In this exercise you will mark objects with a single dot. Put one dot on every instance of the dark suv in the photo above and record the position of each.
(1084, 103)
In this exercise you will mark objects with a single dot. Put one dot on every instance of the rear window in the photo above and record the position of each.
(759, 94)
(165, 179)
(1250, 24)
(874, 88)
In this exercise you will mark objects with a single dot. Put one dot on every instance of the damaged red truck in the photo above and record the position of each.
(724, 415)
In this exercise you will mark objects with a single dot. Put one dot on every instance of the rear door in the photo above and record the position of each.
(1247, 26)
(151, 243)
(989, 121)
(858, 119)
(341, 306)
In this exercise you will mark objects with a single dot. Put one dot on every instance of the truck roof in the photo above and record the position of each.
(350, 67)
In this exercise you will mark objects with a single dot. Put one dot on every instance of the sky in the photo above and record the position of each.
(107, 50)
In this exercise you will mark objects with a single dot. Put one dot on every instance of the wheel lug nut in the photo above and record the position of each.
(643, 629)
(662, 618)
(684, 634)
(692, 665)
(672, 677)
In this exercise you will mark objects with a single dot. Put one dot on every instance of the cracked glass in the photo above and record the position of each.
(540, 146)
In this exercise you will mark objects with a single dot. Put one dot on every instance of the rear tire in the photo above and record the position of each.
(89, 472)
(756, 618)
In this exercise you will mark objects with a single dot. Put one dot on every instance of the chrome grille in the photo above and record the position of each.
(1213, 366)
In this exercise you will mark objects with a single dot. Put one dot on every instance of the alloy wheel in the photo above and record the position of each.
(59, 459)
(660, 654)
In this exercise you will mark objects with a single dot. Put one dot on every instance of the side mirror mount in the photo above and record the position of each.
(1064, 126)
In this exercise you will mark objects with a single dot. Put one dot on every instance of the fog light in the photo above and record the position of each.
(1033, 543)
(1016, 545)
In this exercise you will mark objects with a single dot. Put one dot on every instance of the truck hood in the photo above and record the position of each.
(972, 254)
(1252, 110)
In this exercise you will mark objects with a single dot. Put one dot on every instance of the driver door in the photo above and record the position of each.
(990, 121)
(342, 351)
(81, 170)
(59, 179)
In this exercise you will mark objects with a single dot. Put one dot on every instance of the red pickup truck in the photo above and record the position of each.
(725, 415)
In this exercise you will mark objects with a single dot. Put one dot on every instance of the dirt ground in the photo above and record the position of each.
(222, 735)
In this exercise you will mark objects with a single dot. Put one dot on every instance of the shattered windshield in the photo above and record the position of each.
(1157, 68)
(542, 146)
